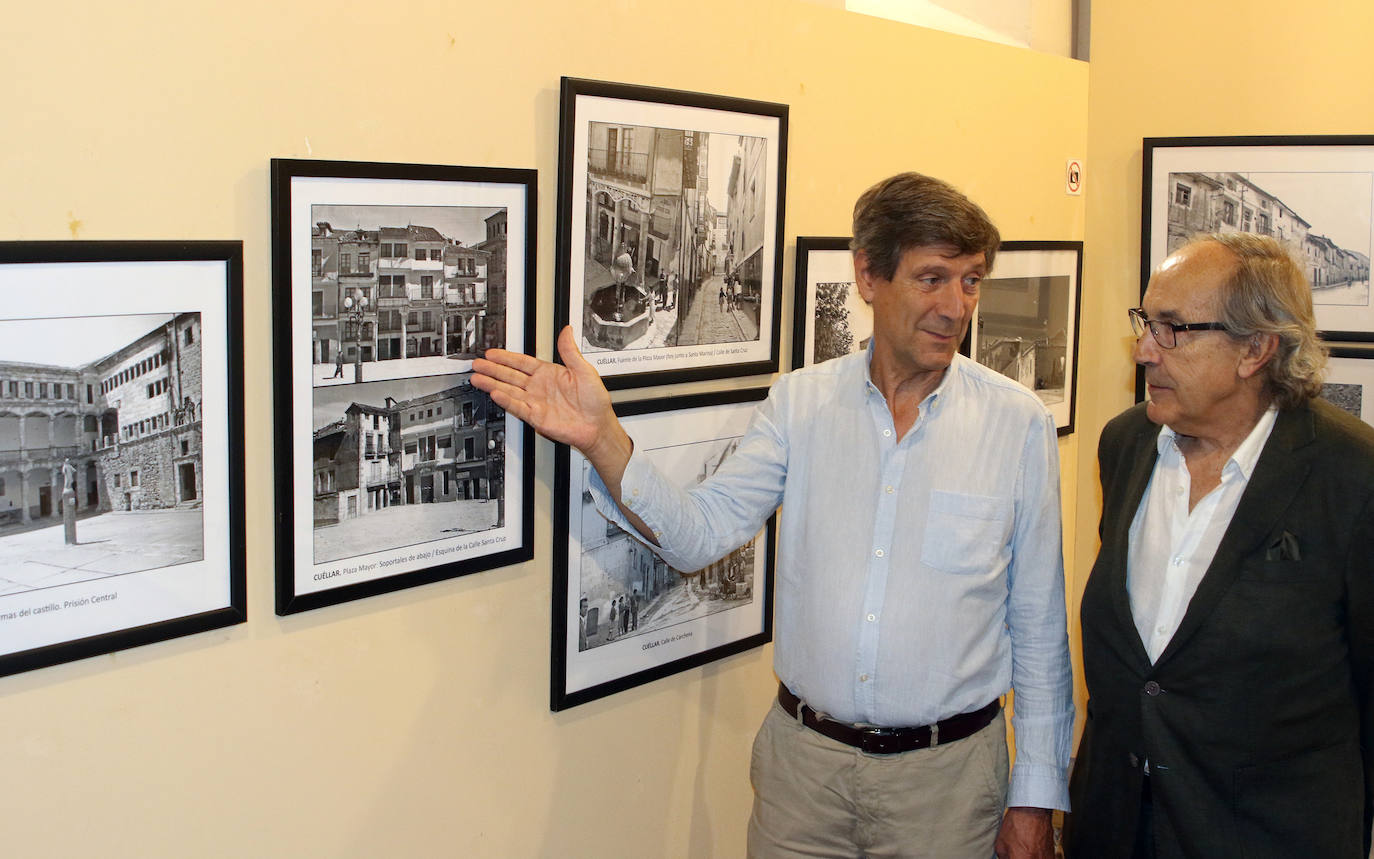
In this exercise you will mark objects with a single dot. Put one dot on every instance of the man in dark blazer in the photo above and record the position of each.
(1228, 623)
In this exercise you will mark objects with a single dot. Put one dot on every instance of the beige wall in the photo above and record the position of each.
(1180, 68)
(417, 723)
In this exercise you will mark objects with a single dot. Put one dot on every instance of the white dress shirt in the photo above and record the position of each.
(1171, 547)
(917, 578)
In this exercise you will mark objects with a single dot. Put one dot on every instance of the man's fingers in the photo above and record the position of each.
(568, 351)
(526, 364)
(485, 369)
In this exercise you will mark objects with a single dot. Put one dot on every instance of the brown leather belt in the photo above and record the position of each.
(889, 741)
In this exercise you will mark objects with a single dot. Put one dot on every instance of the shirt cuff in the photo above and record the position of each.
(1038, 786)
(634, 488)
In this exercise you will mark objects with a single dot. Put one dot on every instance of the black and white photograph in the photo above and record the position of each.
(1026, 324)
(120, 446)
(622, 616)
(389, 280)
(1349, 381)
(670, 217)
(830, 318)
(1314, 194)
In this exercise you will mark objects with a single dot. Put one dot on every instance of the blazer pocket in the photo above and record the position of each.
(965, 533)
(1276, 572)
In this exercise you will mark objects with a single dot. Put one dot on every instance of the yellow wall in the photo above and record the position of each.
(1180, 68)
(417, 723)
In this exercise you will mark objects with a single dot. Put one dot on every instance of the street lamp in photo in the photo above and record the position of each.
(355, 308)
(496, 473)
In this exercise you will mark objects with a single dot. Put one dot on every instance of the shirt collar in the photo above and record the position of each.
(955, 366)
(1246, 455)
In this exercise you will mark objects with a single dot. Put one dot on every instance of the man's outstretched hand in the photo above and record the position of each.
(566, 403)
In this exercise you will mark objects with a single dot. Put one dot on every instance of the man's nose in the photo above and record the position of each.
(1146, 349)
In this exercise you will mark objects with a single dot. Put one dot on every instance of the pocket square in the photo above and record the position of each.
(1285, 548)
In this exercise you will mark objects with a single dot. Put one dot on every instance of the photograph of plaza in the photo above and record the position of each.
(675, 228)
(402, 291)
(102, 414)
(404, 462)
(1023, 331)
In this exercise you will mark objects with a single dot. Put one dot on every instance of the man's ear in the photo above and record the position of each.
(863, 275)
(1260, 349)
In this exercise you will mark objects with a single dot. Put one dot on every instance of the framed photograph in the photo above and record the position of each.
(670, 215)
(829, 316)
(121, 446)
(1026, 325)
(621, 616)
(1313, 193)
(1350, 380)
(392, 469)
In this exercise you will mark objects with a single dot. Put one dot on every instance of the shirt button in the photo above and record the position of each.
(872, 618)
(1152, 689)
(878, 553)
(863, 678)
(658, 535)
(887, 432)
(1161, 629)
(1176, 561)
(634, 492)
(889, 489)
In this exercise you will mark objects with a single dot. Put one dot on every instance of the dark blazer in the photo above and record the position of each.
(1257, 719)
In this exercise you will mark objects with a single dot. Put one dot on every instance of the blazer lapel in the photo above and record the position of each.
(1279, 475)
(1116, 539)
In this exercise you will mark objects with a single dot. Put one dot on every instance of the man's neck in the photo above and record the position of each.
(904, 388)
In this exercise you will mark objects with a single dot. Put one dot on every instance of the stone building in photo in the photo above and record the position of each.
(129, 423)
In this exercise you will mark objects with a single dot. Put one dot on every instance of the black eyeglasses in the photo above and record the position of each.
(1166, 333)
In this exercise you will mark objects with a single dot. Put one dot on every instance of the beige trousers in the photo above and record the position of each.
(817, 797)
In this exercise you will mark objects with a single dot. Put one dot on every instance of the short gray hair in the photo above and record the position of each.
(1269, 294)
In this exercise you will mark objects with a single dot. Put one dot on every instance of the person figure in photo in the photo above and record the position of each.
(722, 296)
(920, 573)
(634, 609)
(338, 363)
(582, 623)
(1228, 622)
(611, 628)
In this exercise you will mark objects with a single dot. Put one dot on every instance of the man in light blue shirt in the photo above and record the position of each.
(920, 572)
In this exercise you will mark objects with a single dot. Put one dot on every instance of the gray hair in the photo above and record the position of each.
(910, 210)
(1269, 294)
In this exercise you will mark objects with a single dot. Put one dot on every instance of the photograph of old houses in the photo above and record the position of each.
(1323, 217)
(102, 413)
(627, 591)
(405, 462)
(1023, 331)
(398, 291)
(674, 246)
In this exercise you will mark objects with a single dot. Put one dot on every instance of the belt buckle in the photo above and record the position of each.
(875, 740)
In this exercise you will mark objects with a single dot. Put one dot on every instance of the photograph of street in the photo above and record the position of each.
(1023, 331)
(1324, 218)
(403, 291)
(626, 590)
(674, 247)
(100, 447)
(404, 462)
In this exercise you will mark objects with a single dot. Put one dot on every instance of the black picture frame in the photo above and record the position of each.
(1314, 191)
(421, 268)
(660, 285)
(131, 375)
(739, 585)
(829, 319)
(1026, 324)
(1349, 382)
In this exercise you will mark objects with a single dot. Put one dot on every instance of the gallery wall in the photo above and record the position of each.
(417, 723)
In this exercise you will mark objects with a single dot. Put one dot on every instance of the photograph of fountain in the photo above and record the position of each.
(670, 224)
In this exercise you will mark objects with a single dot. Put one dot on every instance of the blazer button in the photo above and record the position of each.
(1152, 688)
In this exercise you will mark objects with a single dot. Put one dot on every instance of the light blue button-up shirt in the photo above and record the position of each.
(917, 578)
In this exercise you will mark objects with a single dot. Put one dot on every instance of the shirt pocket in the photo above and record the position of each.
(965, 533)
